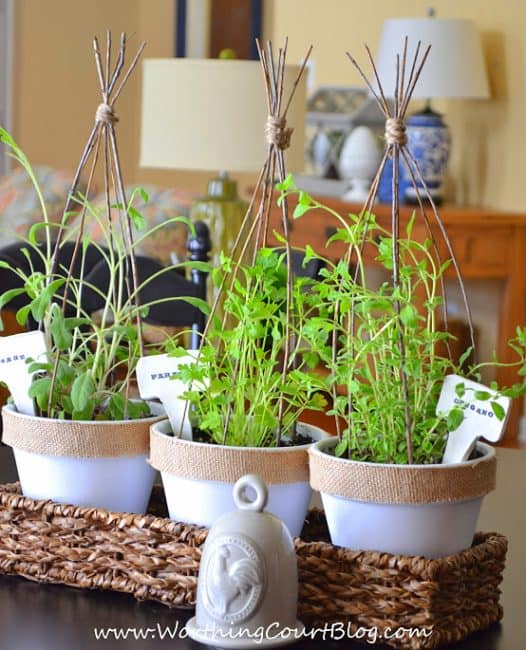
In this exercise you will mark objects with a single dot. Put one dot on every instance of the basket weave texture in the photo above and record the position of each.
(154, 558)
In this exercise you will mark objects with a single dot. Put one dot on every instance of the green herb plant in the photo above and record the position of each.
(250, 382)
(357, 334)
(236, 385)
(90, 361)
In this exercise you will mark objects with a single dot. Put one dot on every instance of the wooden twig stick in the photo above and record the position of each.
(384, 103)
(119, 65)
(420, 67)
(381, 100)
(98, 61)
(297, 80)
(418, 177)
(108, 63)
(128, 73)
(407, 93)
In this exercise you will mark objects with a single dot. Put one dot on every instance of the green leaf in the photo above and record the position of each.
(32, 234)
(499, 411)
(39, 390)
(205, 267)
(465, 356)
(82, 390)
(71, 322)
(455, 418)
(62, 337)
(116, 406)
(199, 303)
(279, 237)
(37, 366)
(311, 359)
(176, 351)
(225, 262)
(136, 217)
(27, 255)
(85, 414)
(409, 316)
(22, 315)
(137, 410)
(482, 395)
(42, 301)
(444, 266)
(460, 390)
(410, 224)
(340, 448)
(309, 254)
(67, 404)
(300, 210)
(7, 296)
(286, 184)
(304, 198)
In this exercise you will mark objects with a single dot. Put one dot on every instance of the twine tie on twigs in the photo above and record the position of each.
(277, 133)
(105, 114)
(395, 131)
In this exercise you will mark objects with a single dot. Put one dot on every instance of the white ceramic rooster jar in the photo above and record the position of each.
(247, 591)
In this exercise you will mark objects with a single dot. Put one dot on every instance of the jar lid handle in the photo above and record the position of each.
(255, 483)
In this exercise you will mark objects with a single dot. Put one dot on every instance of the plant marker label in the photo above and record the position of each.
(14, 351)
(480, 418)
(154, 377)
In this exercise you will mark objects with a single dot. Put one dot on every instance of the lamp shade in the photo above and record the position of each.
(455, 65)
(210, 114)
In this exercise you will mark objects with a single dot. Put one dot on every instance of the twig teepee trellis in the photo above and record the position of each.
(111, 82)
(396, 148)
(253, 233)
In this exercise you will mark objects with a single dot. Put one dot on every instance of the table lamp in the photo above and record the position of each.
(454, 69)
(210, 115)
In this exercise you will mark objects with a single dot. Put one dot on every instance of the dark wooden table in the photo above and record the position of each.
(51, 617)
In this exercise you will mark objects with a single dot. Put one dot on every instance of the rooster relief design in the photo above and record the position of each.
(234, 579)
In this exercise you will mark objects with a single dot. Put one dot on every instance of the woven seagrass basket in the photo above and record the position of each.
(91, 548)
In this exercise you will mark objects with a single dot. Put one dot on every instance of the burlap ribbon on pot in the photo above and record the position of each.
(205, 462)
(413, 484)
(97, 439)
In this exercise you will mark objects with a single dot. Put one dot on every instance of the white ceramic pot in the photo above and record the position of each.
(65, 471)
(442, 525)
(198, 478)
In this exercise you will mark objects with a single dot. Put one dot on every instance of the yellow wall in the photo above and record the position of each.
(488, 137)
(55, 82)
(55, 91)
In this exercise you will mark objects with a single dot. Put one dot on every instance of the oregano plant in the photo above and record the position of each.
(359, 331)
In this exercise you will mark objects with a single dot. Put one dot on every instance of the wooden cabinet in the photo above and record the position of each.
(487, 244)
